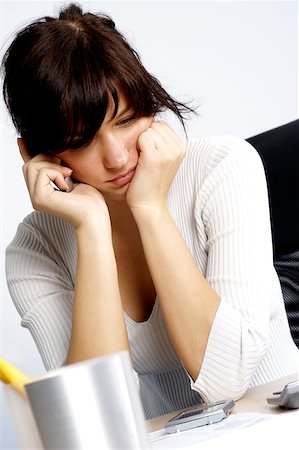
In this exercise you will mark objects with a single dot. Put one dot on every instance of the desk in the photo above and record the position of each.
(253, 401)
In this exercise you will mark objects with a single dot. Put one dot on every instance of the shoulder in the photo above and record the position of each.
(42, 232)
(42, 221)
(221, 143)
(228, 170)
(211, 158)
(209, 152)
(211, 162)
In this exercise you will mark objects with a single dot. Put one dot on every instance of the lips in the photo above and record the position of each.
(124, 179)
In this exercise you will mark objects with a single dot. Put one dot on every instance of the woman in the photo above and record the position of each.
(160, 248)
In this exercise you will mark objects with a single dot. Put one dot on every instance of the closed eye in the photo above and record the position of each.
(127, 120)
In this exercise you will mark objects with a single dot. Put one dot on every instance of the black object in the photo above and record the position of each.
(279, 151)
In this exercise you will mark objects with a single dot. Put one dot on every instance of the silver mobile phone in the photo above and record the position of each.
(68, 181)
(197, 416)
(288, 397)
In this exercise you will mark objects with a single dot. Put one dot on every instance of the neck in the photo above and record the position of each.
(121, 217)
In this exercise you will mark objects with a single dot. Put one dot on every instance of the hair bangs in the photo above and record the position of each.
(85, 100)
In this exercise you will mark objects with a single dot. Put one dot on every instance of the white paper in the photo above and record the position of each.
(238, 431)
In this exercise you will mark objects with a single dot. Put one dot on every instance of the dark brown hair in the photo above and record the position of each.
(60, 72)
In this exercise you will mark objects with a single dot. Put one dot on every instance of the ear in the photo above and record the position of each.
(23, 150)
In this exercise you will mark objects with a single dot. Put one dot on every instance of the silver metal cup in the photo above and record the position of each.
(90, 405)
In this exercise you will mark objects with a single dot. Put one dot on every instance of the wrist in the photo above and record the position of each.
(149, 213)
(95, 230)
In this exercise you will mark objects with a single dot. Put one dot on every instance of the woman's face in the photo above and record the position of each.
(108, 163)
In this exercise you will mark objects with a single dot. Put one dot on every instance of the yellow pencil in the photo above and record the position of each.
(10, 374)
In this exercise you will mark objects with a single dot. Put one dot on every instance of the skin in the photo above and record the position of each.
(123, 223)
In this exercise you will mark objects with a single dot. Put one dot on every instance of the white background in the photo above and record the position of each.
(237, 59)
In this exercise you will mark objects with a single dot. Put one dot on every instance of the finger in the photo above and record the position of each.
(172, 140)
(147, 144)
(165, 130)
(32, 171)
(69, 184)
(155, 143)
(42, 195)
(45, 180)
(151, 137)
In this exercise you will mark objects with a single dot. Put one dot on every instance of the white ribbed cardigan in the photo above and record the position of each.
(219, 202)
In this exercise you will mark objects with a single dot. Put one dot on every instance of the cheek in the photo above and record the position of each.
(140, 126)
(146, 123)
(82, 168)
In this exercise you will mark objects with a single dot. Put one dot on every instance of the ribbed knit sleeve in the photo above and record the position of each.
(41, 285)
(232, 208)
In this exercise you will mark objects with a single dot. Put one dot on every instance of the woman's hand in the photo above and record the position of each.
(161, 153)
(84, 203)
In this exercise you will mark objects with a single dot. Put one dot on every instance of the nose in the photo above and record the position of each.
(115, 153)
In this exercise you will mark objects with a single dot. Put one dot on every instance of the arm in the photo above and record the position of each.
(40, 287)
(188, 302)
(98, 324)
(225, 341)
(232, 211)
